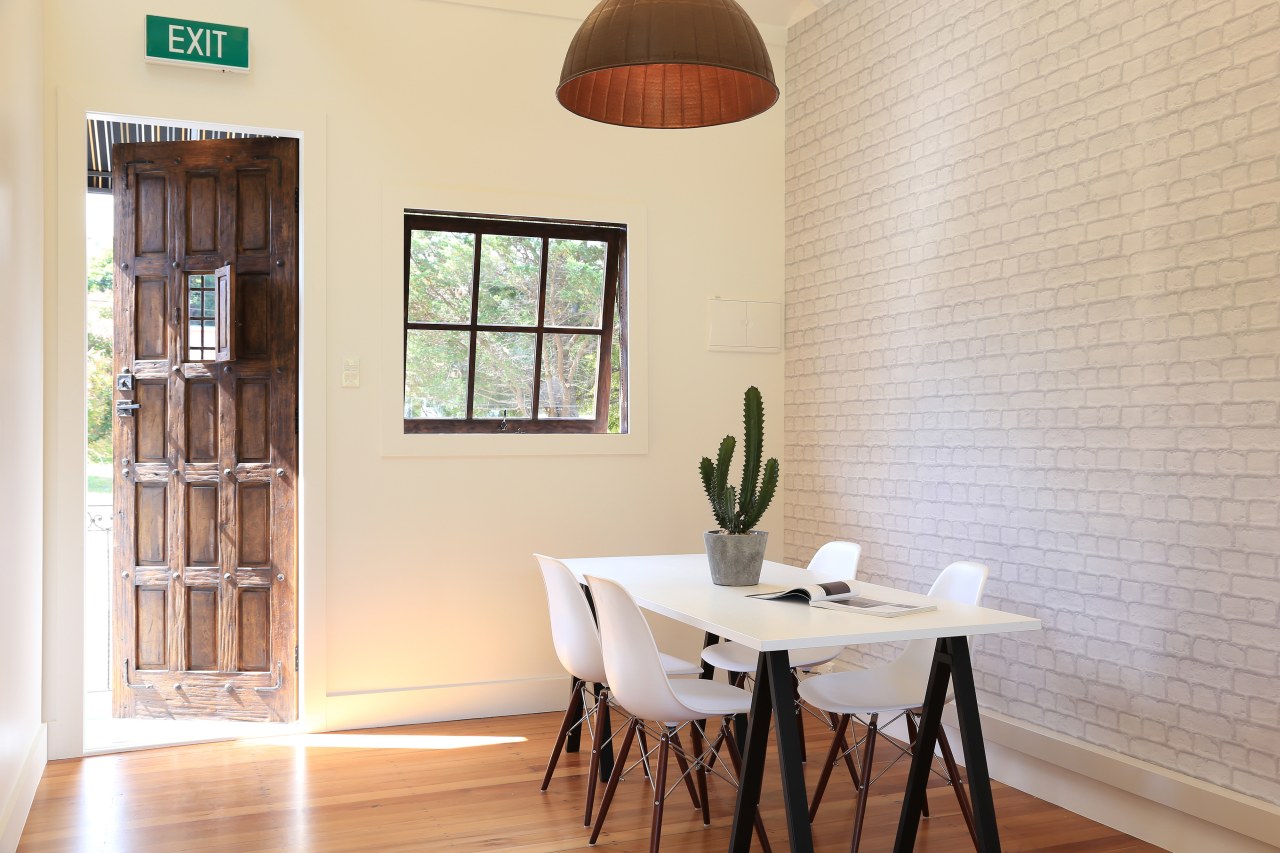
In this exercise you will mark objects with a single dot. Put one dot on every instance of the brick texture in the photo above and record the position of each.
(1033, 318)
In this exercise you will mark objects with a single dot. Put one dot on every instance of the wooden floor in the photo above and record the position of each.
(470, 785)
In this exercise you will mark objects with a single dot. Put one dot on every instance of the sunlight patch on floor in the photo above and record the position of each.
(374, 741)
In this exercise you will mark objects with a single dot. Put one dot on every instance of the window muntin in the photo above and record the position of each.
(514, 326)
(202, 315)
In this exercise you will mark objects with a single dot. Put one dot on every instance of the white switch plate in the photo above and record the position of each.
(738, 325)
(351, 373)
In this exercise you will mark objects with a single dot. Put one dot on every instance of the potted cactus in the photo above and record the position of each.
(736, 551)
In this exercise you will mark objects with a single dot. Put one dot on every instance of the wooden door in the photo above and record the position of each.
(206, 360)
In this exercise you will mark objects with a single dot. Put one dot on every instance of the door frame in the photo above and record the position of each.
(66, 430)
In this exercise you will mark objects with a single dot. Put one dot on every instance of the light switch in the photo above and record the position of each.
(351, 373)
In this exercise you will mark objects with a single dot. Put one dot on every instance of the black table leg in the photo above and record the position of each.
(950, 661)
(975, 752)
(606, 735)
(774, 689)
(709, 639)
(752, 776)
(790, 756)
(574, 739)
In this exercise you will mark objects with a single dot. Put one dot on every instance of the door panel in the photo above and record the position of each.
(153, 214)
(253, 316)
(202, 420)
(205, 576)
(150, 317)
(202, 212)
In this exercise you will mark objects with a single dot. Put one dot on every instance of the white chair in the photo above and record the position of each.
(577, 643)
(896, 688)
(835, 561)
(639, 685)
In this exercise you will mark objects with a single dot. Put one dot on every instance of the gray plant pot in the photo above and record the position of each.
(735, 558)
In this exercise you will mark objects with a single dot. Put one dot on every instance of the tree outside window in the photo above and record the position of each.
(513, 326)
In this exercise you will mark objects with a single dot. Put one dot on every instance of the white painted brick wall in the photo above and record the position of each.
(1033, 317)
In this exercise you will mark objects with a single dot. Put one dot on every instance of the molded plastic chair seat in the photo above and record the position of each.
(896, 688)
(673, 665)
(639, 685)
(866, 691)
(711, 698)
(735, 657)
(577, 642)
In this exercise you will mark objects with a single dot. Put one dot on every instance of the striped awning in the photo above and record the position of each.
(103, 134)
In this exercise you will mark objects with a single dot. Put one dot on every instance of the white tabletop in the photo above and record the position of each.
(679, 586)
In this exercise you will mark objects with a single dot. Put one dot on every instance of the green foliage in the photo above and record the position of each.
(738, 511)
(441, 273)
(98, 356)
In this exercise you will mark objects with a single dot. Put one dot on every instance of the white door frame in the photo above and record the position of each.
(66, 432)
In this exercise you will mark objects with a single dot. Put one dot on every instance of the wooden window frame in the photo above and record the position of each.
(613, 312)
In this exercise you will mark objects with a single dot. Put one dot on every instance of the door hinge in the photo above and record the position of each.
(295, 658)
(295, 200)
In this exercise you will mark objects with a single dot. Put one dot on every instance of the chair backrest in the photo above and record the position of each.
(961, 582)
(636, 677)
(836, 561)
(573, 628)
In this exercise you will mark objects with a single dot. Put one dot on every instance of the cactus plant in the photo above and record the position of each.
(739, 510)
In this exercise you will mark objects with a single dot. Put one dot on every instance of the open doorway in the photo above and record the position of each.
(190, 625)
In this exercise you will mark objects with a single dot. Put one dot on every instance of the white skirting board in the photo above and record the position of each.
(14, 810)
(1161, 807)
(377, 708)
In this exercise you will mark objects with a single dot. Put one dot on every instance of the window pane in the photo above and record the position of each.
(575, 283)
(510, 268)
(570, 368)
(504, 375)
(435, 374)
(440, 273)
(201, 313)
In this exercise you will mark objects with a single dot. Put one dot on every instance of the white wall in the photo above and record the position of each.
(404, 96)
(21, 442)
(1034, 318)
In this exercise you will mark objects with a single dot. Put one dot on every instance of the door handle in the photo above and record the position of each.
(125, 408)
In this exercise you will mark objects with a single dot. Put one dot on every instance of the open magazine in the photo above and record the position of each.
(813, 594)
(871, 607)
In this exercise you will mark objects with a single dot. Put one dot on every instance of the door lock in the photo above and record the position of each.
(125, 408)
(124, 382)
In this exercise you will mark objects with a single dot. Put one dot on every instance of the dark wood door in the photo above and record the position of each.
(206, 359)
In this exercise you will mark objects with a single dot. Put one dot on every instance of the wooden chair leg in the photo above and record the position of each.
(847, 753)
(735, 758)
(597, 743)
(659, 792)
(684, 770)
(699, 770)
(912, 733)
(869, 748)
(572, 715)
(949, 759)
(618, 766)
(833, 755)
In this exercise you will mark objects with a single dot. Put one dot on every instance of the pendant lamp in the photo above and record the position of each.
(667, 64)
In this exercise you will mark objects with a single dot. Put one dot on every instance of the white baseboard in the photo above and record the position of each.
(1159, 806)
(377, 708)
(14, 810)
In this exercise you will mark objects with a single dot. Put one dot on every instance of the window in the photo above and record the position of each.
(513, 325)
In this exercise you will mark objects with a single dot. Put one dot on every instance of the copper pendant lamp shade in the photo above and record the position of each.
(667, 64)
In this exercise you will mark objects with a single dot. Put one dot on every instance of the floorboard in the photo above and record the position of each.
(461, 786)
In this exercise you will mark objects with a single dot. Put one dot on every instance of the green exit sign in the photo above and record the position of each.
(181, 42)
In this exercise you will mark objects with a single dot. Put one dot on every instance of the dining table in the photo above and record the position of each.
(679, 586)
